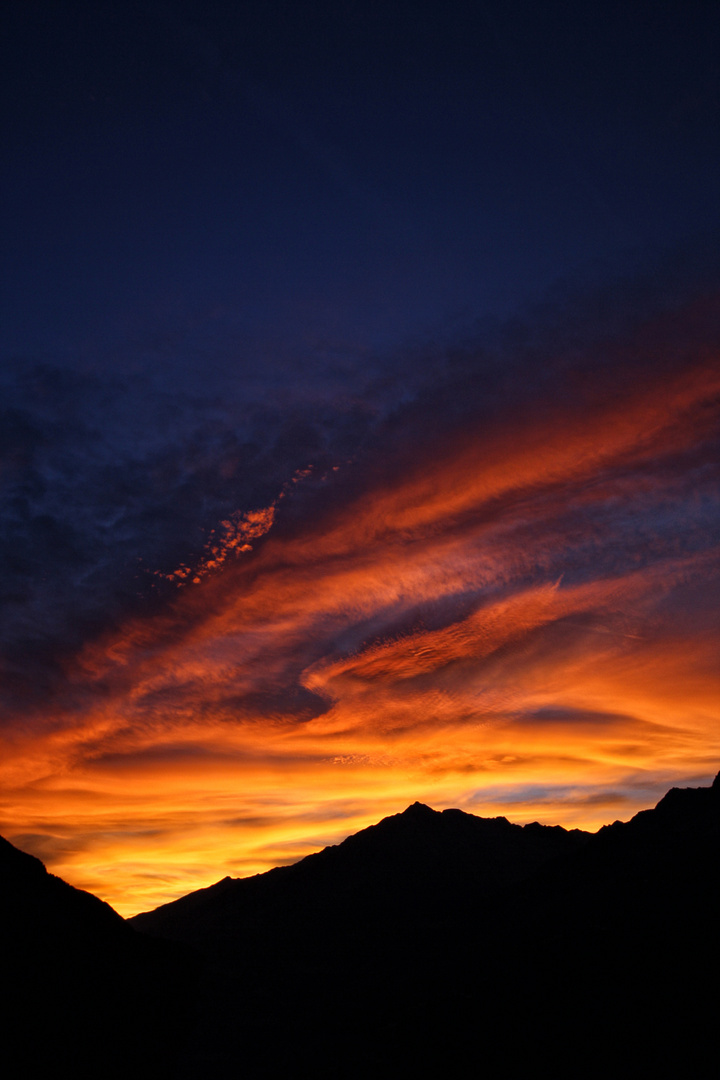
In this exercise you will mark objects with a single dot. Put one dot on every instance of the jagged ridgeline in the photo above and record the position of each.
(428, 941)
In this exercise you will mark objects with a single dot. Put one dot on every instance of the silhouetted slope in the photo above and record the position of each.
(623, 940)
(81, 990)
(444, 937)
(307, 965)
(410, 862)
(331, 964)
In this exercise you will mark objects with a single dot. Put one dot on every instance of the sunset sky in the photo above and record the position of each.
(360, 429)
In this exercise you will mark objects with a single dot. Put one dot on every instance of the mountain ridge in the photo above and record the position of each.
(418, 842)
(603, 940)
(430, 935)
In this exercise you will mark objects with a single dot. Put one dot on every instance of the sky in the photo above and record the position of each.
(359, 423)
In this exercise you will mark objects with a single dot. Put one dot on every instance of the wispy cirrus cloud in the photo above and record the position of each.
(505, 596)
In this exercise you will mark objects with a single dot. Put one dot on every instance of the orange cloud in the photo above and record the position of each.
(509, 623)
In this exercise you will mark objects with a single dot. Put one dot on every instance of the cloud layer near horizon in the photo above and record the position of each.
(485, 576)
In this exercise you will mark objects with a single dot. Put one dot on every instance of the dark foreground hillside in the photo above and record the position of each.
(81, 993)
(446, 940)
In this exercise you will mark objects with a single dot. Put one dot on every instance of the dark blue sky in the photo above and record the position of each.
(264, 180)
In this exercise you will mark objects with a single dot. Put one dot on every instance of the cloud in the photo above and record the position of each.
(498, 576)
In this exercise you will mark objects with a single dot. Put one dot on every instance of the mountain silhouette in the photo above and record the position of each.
(442, 937)
(432, 943)
(408, 865)
(80, 989)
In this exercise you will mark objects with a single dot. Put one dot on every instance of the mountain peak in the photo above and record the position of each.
(418, 809)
